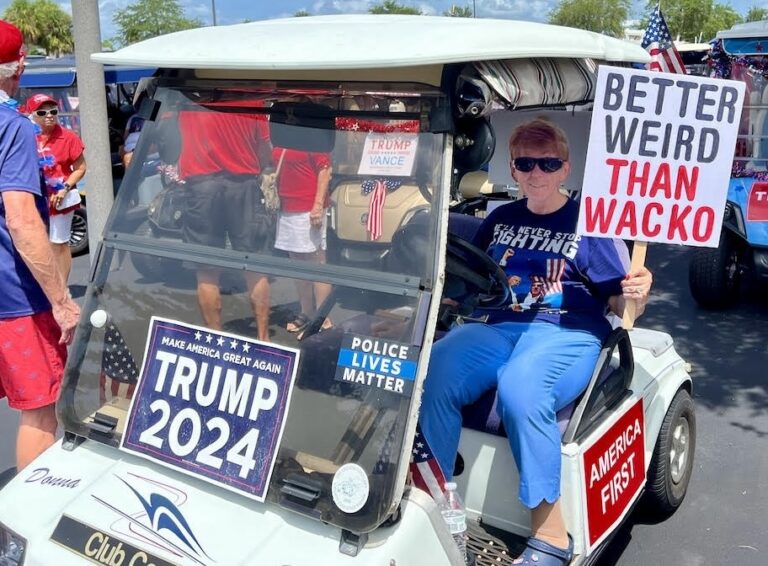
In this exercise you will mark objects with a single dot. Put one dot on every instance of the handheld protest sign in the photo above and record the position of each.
(211, 404)
(659, 157)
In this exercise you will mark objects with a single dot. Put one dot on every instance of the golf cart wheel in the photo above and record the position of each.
(78, 236)
(714, 274)
(672, 461)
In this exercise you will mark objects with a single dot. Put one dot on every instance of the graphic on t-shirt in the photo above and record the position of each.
(534, 260)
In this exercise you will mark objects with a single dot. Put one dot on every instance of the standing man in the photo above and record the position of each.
(222, 157)
(37, 315)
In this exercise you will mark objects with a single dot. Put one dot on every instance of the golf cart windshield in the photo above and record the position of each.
(377, 140)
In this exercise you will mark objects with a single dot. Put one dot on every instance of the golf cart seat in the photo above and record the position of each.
(607, 387)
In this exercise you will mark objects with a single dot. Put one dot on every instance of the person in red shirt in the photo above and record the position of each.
(302, 183)
(221, 158)
(63, 165)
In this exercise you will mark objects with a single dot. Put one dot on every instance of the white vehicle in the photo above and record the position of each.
(190, 445)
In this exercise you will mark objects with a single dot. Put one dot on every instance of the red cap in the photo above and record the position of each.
(36, 101)
(11, 41)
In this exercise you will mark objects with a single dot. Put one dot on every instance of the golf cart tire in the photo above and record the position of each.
(663, 493)
(78, 237)
(711, 284)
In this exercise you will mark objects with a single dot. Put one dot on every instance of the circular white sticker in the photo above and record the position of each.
(350, 488)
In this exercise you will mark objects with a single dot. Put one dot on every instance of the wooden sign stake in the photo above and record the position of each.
(630, 305)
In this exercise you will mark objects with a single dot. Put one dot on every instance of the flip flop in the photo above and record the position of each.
(327, 325)
(298, 324)
(540, 553)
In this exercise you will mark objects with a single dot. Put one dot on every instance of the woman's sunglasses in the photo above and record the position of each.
(51, 112)
(546, 164)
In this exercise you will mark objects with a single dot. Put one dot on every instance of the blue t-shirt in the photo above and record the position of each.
(20, 294)
(554, 274)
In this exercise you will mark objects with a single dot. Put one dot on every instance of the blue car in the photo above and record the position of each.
(717, 274)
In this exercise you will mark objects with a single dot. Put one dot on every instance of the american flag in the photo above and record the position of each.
(425, 470)
(658, 42)
(376, 210)
(555, 269)
(119, 372)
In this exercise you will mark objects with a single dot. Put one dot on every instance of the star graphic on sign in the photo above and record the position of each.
(219, 341)
(208, 338)
(233, 344)
(355, 127)
(198, 335)
(246, 347)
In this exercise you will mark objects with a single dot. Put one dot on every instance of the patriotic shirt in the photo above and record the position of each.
(20, 294)
(554, 274)
(58, 153)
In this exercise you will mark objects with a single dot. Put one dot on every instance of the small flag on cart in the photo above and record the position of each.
(119, 372)
(658, 42)
(425, 470)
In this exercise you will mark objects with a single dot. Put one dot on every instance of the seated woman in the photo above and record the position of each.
(540, 351)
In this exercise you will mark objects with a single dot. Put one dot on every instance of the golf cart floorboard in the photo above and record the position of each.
(492, 546)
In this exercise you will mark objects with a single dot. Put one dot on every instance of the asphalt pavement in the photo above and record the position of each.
(724, 519)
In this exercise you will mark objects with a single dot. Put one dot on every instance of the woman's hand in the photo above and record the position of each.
(57, 197)
(637, 285)
(316, 215)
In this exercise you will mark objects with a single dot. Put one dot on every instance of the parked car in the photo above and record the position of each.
(717, 276)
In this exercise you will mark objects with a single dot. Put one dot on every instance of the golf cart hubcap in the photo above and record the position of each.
(678, 452)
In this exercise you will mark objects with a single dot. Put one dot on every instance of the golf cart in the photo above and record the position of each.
(716, 275)
(58, 79)
(188, 444)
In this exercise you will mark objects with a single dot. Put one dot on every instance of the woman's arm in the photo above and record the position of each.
(636, 287)
(78, 171)
(321, 193)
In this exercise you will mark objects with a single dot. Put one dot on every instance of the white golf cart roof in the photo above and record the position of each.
(367, 41)
(749, 29)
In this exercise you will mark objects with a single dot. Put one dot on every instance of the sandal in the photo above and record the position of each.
(540, 553)
(298, 324)
(327, 325)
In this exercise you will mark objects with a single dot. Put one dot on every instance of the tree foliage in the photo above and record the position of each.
(601, 16)
(392, 7)
(43, 23)
(150, 18)
(459, 12)
(755, 14)
(301, 14)
(695, 20)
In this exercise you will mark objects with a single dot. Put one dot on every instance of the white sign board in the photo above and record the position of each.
(391, 154)
(659, 156)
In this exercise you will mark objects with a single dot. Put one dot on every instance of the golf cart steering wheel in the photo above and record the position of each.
(479, 273)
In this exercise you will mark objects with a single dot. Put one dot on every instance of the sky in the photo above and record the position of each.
(235, 11)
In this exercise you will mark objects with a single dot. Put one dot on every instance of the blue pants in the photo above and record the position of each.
(537, 368)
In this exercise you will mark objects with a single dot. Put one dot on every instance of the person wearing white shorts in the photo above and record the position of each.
(302, 183)
(63, 165)
(60, 228)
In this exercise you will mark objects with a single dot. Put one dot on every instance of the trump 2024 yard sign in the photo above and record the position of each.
(659, 157)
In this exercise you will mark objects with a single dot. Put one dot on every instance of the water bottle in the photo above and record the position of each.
(455, 516)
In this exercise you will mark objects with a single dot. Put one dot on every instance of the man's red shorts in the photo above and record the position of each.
(31, 360)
